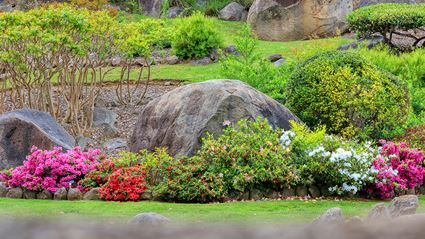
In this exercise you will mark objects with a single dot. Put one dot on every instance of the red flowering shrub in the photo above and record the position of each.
(99, 175)
(124, 184)
(398, 169)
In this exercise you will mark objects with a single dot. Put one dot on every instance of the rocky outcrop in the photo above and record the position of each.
(21, 129)
(233, 12)
(179, 119)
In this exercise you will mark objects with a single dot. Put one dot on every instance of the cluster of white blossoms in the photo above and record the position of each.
(286, 138)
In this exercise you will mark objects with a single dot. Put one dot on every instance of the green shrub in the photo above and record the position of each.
(349, 95)
(195, 37)
(388, 19)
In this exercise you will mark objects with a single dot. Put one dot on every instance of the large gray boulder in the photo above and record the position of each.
(149, 219)
(21, 129)
(403, 205)
(151, 8)
(179, 119)
(233, 12)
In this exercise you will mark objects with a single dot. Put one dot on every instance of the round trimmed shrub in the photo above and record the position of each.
(348, 95)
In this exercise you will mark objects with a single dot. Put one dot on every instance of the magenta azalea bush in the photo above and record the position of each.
(52, 169)
(398, 168)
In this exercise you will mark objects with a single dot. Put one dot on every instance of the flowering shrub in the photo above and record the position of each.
(124, 184)
(98, 176)
(52, 169)
(398, 168)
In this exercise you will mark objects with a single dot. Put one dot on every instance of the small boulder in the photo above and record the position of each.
(114, 144)
(202, 61)
(314, 191)
(348, 46)
(288, 192)
(172, 60)
(149, 219)
(45, 195)
(3, 190)
(231, 50)
(61, 194)
(84, 143)
(301, 191)
(275, 57)
(379, 212)
(333, 215)
(116, 61)
(256, 194)
(15, 193)
(74, 194)
(21, 129)
(174, 12)
(103, 117)
(403, 205)
(29, 194)
(279, 62)
(233, 12)
(93, 194)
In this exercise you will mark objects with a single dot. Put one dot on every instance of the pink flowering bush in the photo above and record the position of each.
(51, 169)
(398, 168)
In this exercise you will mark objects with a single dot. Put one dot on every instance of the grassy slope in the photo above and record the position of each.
(264, 211)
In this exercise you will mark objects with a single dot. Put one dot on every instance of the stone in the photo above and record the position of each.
(15, 193)
(116, 61)
(23, 128)
(314, 191)
(233, 12)
(83, 142)
(287, 20)
(279, 62)
(324, 191)
(288, 192)
(45, 195)
(61, 194)
(172, 60)
(146, 195)
(74, 194)
(256, 194)
(374, 41)
(231, 50)
(378, 212)
(174, 12)
(214, 55)
(93, 194)
(151, 8)
(275, 57)
(354, 221)
(103, 117)
(403, 205)
(149, 219)
(29, 194)
(272, 194)
(113, 144)
(179, 119)
(301, 191)
(202, 61)
(333, 216)
(3, 190)
(348, 46)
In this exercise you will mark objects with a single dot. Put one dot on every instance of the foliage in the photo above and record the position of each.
(124, 184)
(94, 5)
(195, 37)
(347, 94)
(388, 19)
(250, 67)
(414, 137)
(52, 169)
(127, 5)
(398, 169)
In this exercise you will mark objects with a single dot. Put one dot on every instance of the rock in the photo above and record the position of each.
(3, 190)
(83, 142)
(149, 219)
(324, 191)
(116, 61)
(288, 20)
(231, 50)
(146, 195)
(180, 118)
(174, 12)
(202, 61)
(279, 62)
(29, 195)
(403, 205)
(348, 46)
(93, 194)
(354, 221)
(378, 212)
(314, 191)
(274, 57)
(151, 8)
(74, 194)
(214, 55)
(333, 215)
(288, 192)
(272, 194)
(61, 194)
(14, 193)
(113, 144)
(233, 12)
(301, 191)
(21, 129)
(103, 117)
(374, 41)
(256, 194)
(172, 60)
(45, 195)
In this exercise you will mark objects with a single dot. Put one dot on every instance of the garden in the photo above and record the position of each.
(109, 109)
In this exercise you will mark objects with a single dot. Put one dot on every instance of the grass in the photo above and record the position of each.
(261, 211)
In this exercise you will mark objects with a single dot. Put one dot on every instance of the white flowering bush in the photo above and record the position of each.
(343, 167)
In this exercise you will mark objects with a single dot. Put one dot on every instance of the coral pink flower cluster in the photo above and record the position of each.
(52, 169)
(398, 169)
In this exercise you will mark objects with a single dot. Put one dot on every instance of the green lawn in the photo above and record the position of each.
(262, 211)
